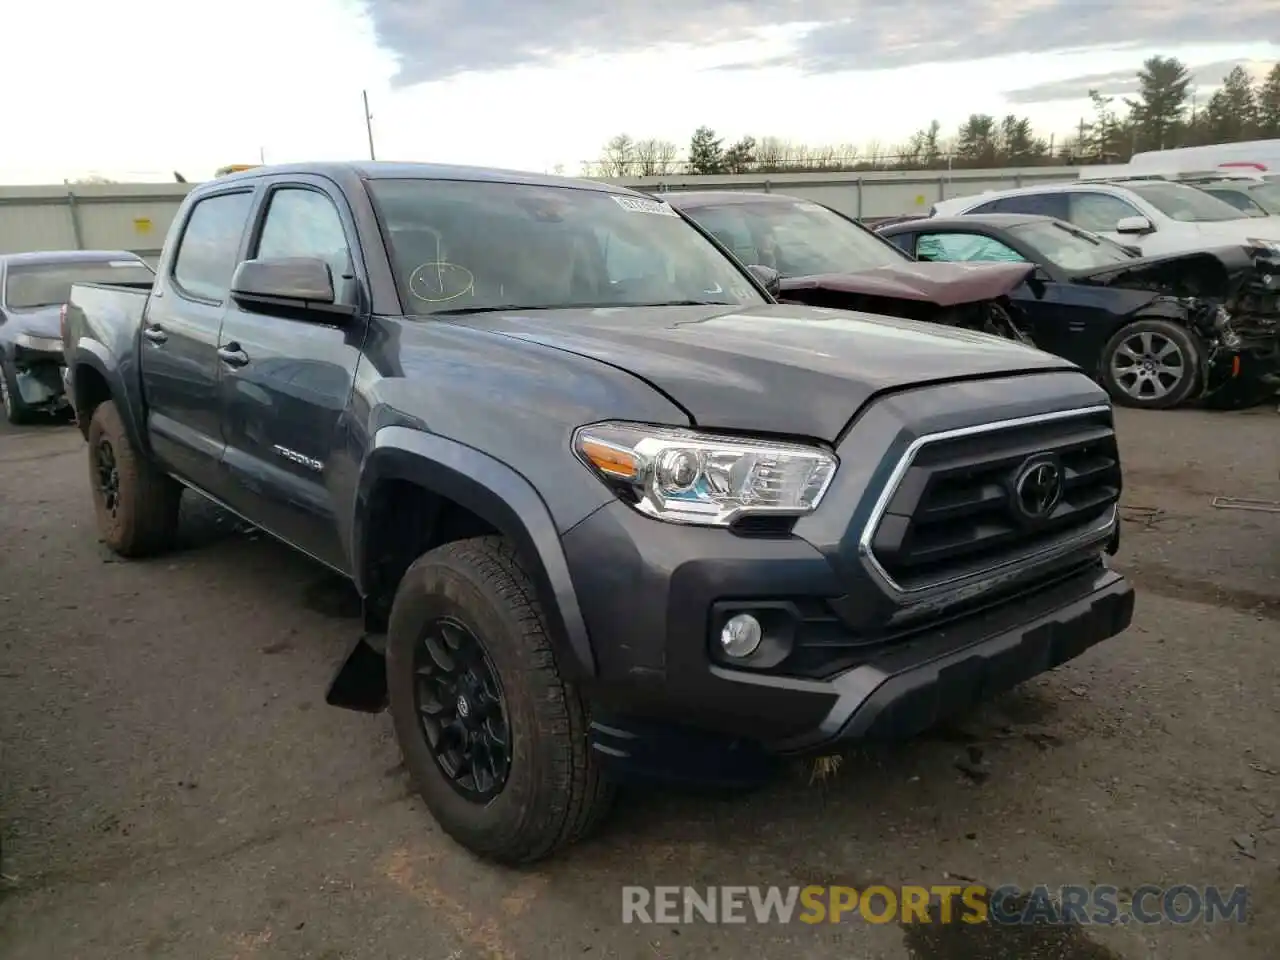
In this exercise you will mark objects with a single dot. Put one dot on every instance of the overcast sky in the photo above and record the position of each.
(135, 89)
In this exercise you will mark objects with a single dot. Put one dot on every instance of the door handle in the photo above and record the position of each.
(155, 334)
(232, 355)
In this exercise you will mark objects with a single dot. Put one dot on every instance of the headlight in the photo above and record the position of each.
(1272, 245)
(45, 344)
(683, 476)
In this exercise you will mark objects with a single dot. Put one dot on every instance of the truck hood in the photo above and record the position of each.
(943, 284)
(802, 371)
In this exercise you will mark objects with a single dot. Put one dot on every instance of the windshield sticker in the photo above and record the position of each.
(643, 205)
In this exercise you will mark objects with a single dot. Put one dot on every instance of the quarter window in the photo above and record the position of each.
(210, 245)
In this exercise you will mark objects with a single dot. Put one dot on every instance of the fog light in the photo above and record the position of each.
(741, 635)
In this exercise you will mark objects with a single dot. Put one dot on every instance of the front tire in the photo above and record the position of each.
(494, 739)
(136, 504)
(1152, 364)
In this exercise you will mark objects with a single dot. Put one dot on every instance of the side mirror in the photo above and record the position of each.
(769, 278)
(301, 285)
(1134, 225)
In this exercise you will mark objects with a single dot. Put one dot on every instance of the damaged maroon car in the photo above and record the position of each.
(825, 259)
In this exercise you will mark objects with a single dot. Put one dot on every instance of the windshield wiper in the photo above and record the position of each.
(686, 303)
(521, 308)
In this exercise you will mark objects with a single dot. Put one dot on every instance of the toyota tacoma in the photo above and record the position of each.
(612, 510)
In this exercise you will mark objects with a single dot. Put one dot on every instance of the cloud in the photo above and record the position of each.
(1123, 82)
(436, 39)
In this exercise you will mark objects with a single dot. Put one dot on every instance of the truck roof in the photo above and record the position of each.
(393, 170)
(67, 256)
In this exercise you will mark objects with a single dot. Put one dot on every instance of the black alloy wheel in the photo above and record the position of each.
(108, 476)
(462, 710)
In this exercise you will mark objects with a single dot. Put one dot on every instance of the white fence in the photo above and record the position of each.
(136, 216)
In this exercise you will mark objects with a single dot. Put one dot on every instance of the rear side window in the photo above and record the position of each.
(1040, 204)
(991, 206)
(209, 249)
(962, 247)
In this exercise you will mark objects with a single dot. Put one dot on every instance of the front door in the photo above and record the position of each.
(179, 362)
(286, 382)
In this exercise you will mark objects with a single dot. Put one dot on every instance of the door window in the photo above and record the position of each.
(305, 223)
(1100, 212)
(210, 244)
(960, 247)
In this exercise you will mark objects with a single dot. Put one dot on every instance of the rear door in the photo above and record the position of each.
(286, 382)
(179, 361)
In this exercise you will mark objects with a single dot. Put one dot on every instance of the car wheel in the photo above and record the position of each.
(136, 505)
(1153, 364)
(15, 411)
(494, 738)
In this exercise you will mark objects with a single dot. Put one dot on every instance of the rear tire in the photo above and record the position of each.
(1152, 364)
(544, 790)
(135, 503)
(15, 411)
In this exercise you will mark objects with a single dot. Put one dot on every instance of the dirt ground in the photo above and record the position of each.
(173, 785)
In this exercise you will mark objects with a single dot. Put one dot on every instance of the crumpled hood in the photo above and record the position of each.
(943, 284)
(774, 368)
(40, 322)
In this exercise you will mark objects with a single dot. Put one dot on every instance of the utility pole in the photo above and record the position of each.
(368, 122)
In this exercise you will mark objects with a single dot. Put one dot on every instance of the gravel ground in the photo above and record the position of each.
(172, 784)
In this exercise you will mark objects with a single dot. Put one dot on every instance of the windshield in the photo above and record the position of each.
(1267, 196)
(32, 285)
(1068, 247)
(797, 238)
(463, 246)
(1177, 201)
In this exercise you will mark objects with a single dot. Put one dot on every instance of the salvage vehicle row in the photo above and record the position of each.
(1155, 331)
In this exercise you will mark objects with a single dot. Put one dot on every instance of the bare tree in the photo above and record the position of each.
(618, 157)
(653, 158)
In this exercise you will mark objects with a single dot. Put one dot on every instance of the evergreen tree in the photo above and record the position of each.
(1164, 87)
(978, 146)
(1232, 111)
(741, 157)
(1268, 103)
(706, 152)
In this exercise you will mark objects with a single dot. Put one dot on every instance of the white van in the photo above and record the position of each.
(1255, 157)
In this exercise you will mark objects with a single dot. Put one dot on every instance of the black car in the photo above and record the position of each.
(1156, 331)
(33, 289)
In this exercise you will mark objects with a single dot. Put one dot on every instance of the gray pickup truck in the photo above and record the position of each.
(613, 510)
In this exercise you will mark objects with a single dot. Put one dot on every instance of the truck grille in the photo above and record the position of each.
(970, 501)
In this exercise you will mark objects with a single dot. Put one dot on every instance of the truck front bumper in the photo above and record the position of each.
(663, 689)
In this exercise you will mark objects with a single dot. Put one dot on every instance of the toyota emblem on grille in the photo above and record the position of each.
(1037, 487)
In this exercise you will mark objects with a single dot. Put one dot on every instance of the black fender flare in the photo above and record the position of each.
(498, 494)
(91, 354)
